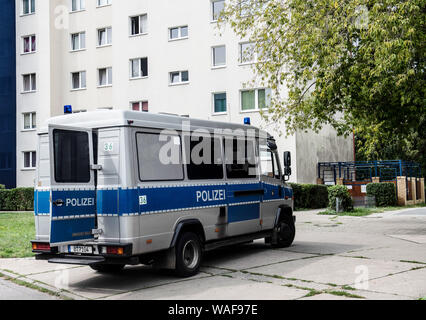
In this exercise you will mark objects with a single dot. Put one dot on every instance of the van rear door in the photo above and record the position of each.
(73, 193)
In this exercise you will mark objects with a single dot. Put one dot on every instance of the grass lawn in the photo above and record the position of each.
(362, 212)
(16, 232)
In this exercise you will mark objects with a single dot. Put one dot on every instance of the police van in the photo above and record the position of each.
(116, 188)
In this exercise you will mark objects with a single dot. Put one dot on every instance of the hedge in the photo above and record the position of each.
(310, 196)
(385, 193)
(21, 199)
(341, 192)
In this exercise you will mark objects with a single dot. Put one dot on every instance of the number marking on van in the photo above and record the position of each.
(143, 200)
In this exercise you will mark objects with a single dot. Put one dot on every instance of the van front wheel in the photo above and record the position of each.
(188, 255)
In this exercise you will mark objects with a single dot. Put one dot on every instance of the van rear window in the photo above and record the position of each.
(71, 156)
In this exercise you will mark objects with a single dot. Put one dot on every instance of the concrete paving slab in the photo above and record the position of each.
(327, 296)
(333, 269)
(412, 284)
(416, 238)
(249, 256)
(93, 285)
(213, 288)
(11, 291)
(29, 266)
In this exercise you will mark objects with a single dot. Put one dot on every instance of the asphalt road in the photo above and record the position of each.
(382, 256)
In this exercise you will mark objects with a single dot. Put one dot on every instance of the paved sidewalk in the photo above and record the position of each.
(382, 256)
(11, 291)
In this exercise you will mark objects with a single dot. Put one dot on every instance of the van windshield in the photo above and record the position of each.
(71, 156)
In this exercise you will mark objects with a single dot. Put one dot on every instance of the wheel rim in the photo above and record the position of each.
(190, 254)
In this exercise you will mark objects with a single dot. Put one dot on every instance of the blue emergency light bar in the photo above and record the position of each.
(247, 121)
(67, 109)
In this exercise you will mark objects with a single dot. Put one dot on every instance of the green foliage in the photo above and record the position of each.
(341, 192)
(2, 187)
(385, 193)
(361, 59)
(310, 196)
(21, 199)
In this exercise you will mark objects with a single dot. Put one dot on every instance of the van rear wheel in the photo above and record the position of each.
(107, 268)
(188, 255)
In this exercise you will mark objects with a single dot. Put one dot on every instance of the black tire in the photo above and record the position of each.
(286, 232)
(188, 255)
(107, 268)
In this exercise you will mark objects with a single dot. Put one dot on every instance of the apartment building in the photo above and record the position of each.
(148, 56)
(7, 95)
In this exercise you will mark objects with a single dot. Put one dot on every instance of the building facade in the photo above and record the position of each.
(7, 94)
(150, 56)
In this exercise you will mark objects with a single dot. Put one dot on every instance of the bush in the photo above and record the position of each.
(21, 199)
(310, 196)
(385, 193)
(341, 192)
(2, 187)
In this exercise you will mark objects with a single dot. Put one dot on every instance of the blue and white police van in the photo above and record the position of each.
(105, 197)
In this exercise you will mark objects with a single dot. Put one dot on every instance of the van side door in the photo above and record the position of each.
(73, 194)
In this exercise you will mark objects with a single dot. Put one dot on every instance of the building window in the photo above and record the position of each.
(140, 106)
(248, 52)
(219, 56)
(138, 25)
(178, 33)
(179, 77)
(78, 41)
(78, 5)
(217, 8)
(78, 80)
(30, 159)
(219, 101)
(30, 121)
(102, 3)
(30, 82)
(138, 68)
(28, 6)
(105, 77)
(104, 36)
(29, 44)
(252, 100)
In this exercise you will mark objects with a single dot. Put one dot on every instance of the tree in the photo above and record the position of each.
(354, 64)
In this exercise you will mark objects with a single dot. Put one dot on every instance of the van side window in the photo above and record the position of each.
(240, 158)
(159, 160)
(205, 156)
(268, 164)
(71, 156)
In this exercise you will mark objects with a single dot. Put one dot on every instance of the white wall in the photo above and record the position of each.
(193, 54)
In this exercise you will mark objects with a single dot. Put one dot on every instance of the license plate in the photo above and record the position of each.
(81, 249)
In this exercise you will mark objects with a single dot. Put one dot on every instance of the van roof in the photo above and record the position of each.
(118, 118)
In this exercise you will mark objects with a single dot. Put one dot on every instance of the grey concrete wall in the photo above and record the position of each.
(325, 146)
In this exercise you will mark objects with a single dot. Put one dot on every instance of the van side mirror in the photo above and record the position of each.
(287, 165)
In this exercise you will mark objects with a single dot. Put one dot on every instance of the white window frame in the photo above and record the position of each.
(144, 32)
(108, 35)
(106, 4)
(32, 154)
(140, 102)
(218, 66)
(212, 14)
(255, 53)
(81, 6)
(180, 78)
(79, 80)
(31, 47)
(179, 37)
(32, 76)
(139, 76)
(31, 115)
(30, 2)
(213, 103)
(108, 80)
(80, 48)
(256, 99)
